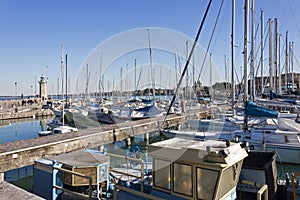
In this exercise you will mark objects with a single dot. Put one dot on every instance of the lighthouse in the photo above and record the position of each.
(43, 88)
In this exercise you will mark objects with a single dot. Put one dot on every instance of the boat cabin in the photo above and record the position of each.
(193, 169)
(77, 173)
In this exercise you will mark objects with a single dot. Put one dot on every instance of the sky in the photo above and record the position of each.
(33, 31)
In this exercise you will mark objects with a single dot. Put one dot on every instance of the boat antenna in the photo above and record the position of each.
(188, 60)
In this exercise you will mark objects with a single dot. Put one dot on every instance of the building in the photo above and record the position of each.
(43, 88)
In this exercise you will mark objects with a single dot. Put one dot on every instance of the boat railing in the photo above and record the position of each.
(135, 192)
(263, 189)
(294, 184)
(128, 159)
(89, 196)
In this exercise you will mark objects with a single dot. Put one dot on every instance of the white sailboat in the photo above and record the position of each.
(60, 128)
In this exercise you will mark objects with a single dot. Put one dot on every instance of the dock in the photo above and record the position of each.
(9, 191)
(23, 108)
(22, 153)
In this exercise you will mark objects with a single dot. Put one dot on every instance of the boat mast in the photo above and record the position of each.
(100, 74)
(66, 78)
(262, 50)
(252, 78)
(232, 58)
(62, 85)
(292, 65)
(151, 67)
(270, 57)
(187, 72)
(226, 79)
(121, 83)
(286, 62)
(279, 56)
(276, 83)
(135, 77)
(245, 63)
(210, 77)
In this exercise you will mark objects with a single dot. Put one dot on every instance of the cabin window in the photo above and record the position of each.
(183, 179)
(162, 174)
(229, 178)
(206, 183)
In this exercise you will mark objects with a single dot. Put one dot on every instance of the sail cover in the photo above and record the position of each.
(258, 111)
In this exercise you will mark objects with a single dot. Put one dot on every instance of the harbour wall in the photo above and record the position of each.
(23, 108)
(21, 153)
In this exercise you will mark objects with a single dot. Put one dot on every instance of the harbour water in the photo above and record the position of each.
(20, 129)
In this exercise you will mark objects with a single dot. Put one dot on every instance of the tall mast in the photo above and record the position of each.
(62, 85)
(262, 50)
(225, 60)
(245, 63)
(135, 75)
(66, 78)
(151, 67)
(292, 65)
(187, 71)
(270, 56)
(100, 74)
(210, 77)
(252, 77)
(57, 93)
(275, 55)
(121, 82)
(232, 58)
(279, 56)
(286, 62)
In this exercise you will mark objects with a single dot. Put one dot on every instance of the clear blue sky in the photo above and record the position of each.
(32, 31)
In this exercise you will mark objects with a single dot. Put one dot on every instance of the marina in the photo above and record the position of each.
(95, 108)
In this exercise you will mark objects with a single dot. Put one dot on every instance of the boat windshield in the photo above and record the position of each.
(206, 183)
(183, 179)
(162, 174)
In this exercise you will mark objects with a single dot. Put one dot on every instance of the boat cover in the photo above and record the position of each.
(252, 109)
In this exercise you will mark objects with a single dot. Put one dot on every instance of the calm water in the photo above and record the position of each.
(12, 130)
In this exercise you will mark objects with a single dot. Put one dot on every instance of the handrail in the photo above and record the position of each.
(135, 192)
(76, 174)
(128, 174)
(262, 190)
(294, 184)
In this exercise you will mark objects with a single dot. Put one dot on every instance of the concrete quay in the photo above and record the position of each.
(9, 192)
(24, 152)
(23, 108)
(21, 153)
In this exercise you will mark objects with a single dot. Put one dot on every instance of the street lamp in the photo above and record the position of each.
(16, 88)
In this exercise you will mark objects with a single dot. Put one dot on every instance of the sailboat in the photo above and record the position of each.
(60, 128)
(286, 143)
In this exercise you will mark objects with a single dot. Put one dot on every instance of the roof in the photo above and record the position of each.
(196, 151)
(81, 158)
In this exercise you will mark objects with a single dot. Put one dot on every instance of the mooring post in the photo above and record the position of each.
(128, 141)
(101, 148)
(146, 135)
(1, 176)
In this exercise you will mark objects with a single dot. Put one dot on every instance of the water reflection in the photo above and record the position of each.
(20, 129)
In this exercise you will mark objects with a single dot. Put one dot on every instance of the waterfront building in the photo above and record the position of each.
(43, 88)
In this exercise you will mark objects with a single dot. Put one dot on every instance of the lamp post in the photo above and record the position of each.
(16, 88)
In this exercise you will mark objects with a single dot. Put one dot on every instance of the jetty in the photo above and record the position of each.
(23, 108)
(21, 153)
